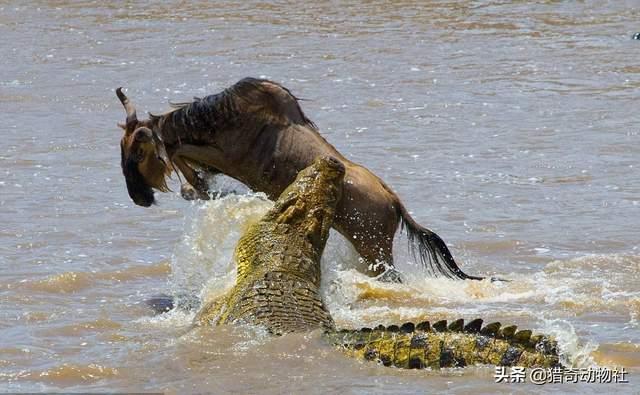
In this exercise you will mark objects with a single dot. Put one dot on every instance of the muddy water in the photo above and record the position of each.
(510, 129)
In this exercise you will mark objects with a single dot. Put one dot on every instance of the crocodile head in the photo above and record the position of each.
(309, 203)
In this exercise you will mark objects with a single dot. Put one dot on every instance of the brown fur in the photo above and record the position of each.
(256, 132)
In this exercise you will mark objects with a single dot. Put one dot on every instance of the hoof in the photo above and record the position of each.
(188, 192)
(391, 275)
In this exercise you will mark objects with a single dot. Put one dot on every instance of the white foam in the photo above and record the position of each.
(573, 352)
(172, 319)
(548, 299)
(212, 229)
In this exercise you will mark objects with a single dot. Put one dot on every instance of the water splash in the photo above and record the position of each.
(572, 351)
(546, 301)
(212, 229)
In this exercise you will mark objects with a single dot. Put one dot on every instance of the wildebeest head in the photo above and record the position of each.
(143, 157)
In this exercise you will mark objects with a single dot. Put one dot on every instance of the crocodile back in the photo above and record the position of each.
(278, 258)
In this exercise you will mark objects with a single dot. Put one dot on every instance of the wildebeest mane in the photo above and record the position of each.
(204, 116)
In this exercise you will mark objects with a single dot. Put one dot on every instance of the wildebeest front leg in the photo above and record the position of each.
(195, 187)
(189, 192)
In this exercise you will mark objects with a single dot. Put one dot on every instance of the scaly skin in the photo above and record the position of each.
(422, 346)
(278, 287)
(278, 258)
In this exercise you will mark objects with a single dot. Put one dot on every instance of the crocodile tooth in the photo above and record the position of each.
(440, 326)
(474, 326)
(491, 329)
(424, 326)
(524, 338)
(407, 327)
(456, 326)
(507, 332)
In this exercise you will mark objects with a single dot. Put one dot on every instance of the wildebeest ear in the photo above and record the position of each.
(122, 126)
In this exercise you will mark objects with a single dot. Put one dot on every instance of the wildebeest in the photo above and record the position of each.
(256, 132)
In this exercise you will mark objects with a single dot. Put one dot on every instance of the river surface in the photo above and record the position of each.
(509, 128)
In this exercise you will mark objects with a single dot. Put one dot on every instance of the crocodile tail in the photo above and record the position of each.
(440, 345)
(427, 247)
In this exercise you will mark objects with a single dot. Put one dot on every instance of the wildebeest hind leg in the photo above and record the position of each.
(379, 260)
(375, 250)
(376, 254)
(370, 231)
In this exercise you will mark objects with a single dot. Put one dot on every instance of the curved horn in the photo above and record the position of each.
(129, 108)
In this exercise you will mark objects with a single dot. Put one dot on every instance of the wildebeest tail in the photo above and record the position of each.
(428, 248)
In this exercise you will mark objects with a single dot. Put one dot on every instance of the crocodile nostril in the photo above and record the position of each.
(333, 162)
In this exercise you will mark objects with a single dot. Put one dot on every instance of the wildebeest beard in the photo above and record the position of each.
(139, 191)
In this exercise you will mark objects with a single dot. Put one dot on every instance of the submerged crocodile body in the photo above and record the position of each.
(278, 287)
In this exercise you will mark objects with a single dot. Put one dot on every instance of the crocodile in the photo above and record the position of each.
(278, 287)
